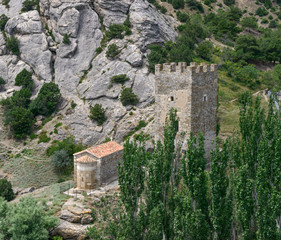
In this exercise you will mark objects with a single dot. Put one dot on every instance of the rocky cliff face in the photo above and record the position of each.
(83, 75)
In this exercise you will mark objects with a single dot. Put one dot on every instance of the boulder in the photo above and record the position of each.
(70, 231)
(153, 27)
(86, 219)
(69, 22)
(70, 217)
(113, 11)
(132, 55)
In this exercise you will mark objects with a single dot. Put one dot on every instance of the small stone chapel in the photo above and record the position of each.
(97, 166)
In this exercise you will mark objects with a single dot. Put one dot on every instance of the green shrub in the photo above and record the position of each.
(21, 121)
(3, 20)
(195, 5)
(158, 55)
(24, 78)
(47, 100)
(128, 97)
(279, 15)
(66, 39)
(205, 50)
(112, 51)
(163, 9)
(73, 104)
(115, 31)
(118, 30)
(25, 219)
(261, 12)
(6, 190)
(273, 24)
(249, 22)
(6, 3)
(57, 238)
(97, 113)
(272, 78)
(207, 2)
(21, 98)
(229, 2)
(178, 4)
(67, 144)
(61, 160)
(43, 138)
(58, 125)
(99, 50)
(13, 45)
(2, 83)
(122, 78)
(33, 136)
(183, 17)
(141, 124)
(29, 5)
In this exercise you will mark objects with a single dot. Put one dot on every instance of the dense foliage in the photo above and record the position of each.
(112, 51)
(6, 190)
(2, 83)
(47, 100)
(29, 5)
(122, 78)
(20, 111)
(128, 97)
(61, 160)
(67, 144)
(97, 113)
(3, 20)
(12, 44)
(169, 194)
(21, 121)
(25, 220)
(24, 79)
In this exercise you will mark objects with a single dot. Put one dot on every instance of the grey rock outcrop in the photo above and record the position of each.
(14, 8)
(152, 26)
(82, 25)
(83, 75)
(113, 11)
(33, 44)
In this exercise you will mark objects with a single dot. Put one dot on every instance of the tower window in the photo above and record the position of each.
(172, 99)
(205, 98)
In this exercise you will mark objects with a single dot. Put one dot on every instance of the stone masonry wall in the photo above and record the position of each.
(109, 167)
(87, 175)
(204, 105)
(172, 90)
(192, 91)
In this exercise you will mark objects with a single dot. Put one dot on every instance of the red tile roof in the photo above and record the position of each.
(86, 159)
(103, 150)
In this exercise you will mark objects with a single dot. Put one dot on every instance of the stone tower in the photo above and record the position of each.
(192, 91)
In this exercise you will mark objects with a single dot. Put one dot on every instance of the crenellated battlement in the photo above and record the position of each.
(182, 68)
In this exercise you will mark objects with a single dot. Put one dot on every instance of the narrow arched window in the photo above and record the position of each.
(172, 99)
(205, 98)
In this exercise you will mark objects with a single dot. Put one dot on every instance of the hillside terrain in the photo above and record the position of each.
(83, 69)
(75, 73)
